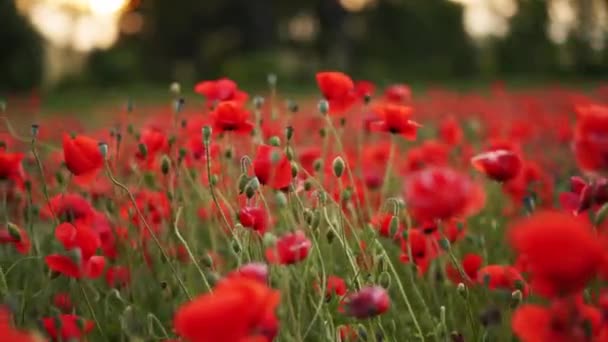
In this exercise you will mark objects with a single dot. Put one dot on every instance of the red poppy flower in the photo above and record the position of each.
(272, 167)
(9, 333)
(591, 138)
(11, 167)
(254, 270)
(155, 141)
(471, 263)
(450, 131)
(67, 327)
(69, 208)
(421, 250)
(290, 249)
(63, 302)
(82, 155)
(336, 286)
(364, 88)
(222, 89)
(368, 302)
(502, 277)
(430, 153)
(398, 93)
(582, 195)
(382, 223)
(17, 237)
(338, 89)
(560, 252)
(231, 116)
(564, 321)
(395, 119)
(499, 165)
(441, 194)
(118, 276)
(254, 218)
(237, 309)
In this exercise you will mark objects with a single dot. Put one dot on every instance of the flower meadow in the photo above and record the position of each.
(358, 214)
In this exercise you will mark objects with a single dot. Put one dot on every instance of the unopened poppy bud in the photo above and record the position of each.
(274, 141)
(130, 129)
(289, 153)
(103, 149)
(368, 302)
(338, 166)
(28, 185)
(59, 177)
(172, 140)
(143, 150)
(519, 284)
(317, 165)
(308, 215)
(322, 195)
(214, 180)
(384, 280)
(272, 79)
(238, 226)
(236, 247)
(207, 134)
(269, 239)
(165, 165)
(258, 102)
(182, 153)
(394, 225)
(228, 153)
(322, 132)
(462, 290)
(289, 133)
(253, 183)
(330, 236)
(323, 107)
(281, 199)
(242, 182)
(175, 88)
(307, 185)
(207, 261)
(249, 192)
(455, 336)
(294, 169)
(292, 106)
(13, 231)
(35, 130)
(346, 195)
(316, 220)
(516, 297)
(444, 243)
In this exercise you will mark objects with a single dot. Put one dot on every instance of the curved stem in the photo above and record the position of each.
(190, 254)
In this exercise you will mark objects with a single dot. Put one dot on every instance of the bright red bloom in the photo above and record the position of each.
(591, 138)
(118, 276)
(421, 250)
(560, 252)
(450, 131)
(17, 237)
(336, 286)
(290, 249)
(11, 167)
(222, 89)
(441, 194)
(364, 88)
(82, 155)
(338, 89)
(231, 116)
(471, 263)
(70, 327)
(63, 302)
(254, 218)
(8, 331)
(564, 321)
(502, 277)
(69, 208)
(272, 167)
(155, 141)
(398, 93)
(237, 310)
(583, 196)
(382, 223)
(368, 302)
(499, 165)
(395, 119)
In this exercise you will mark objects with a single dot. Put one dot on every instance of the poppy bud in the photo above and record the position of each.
(281, 199)
(207, 134)
(462, 290)
(182, 153)
(288, 133)
(228, 153)
(317, 165)
(35, 130)
(207, 261)
(322, 132)
(258, 102)
(394, 225)
(323, 107)
(322, 195)
(275, 157)
(235, 247)
(130, 129)
(13, 231)
(214, 180)
(269, 240)
(103, 149)
(529, 203)
(308, 215)
(456, 336)
(28, 185)
(444, 243)
(242, 182)
(59, 177)
(368, 302)
(249, 192)
(172, 140)
(384, 280)
(143, 150)
(75, 255)
(338, 166)
(165, 164)
(330, 236)
(274, 141)
(346, 195)
(292, 106)
(272, 79)
(294, 169)
(316, 219)
(516, 298)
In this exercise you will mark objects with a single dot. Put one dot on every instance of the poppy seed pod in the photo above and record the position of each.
(338, 166)
(165, 165)
(323, 107)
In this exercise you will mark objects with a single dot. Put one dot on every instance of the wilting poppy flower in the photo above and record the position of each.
(499, 165)
(395, 119)
(591, 138)
(471, 263)
(254, 270)
(82, 155)
(368, 302)
(222, 89)
(441, 194)
(564, 321)
(254, 218)
(398, 93)
(17, 237)
(9, 333)
(67, 327)
(238, 309)
(290, 249)
(272, 167)
(560, 252)
(338, 89)
(231, 116)
(11, 167)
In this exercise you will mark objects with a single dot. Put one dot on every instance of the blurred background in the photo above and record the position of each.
(50, 44)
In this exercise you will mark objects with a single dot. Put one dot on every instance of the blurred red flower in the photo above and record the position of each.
(67, 327)
(395, 119)
(499, 165)
(82, 155)
(290, 249)
(231, 116)
(338, 89)
(223, 89)
(272, 167)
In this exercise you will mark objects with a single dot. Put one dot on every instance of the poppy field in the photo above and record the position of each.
(358, 213)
